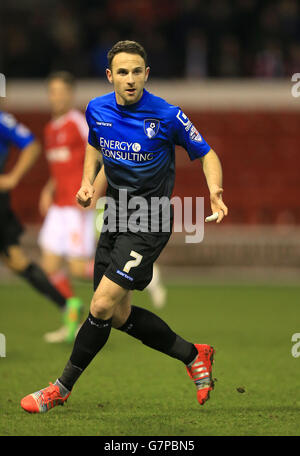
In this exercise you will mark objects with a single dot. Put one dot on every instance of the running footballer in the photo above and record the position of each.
(134, 133)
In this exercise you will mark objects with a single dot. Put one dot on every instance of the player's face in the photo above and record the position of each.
(128, 76)
(60, 97)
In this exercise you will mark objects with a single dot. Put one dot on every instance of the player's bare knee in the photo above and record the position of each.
(102, 306)
(15, 259)
(48, 270)
(76, 268)
(50, 263)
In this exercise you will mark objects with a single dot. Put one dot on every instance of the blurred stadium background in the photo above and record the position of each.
(228, 64)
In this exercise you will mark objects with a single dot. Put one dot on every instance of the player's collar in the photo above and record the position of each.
(61, 119)
(133, 106)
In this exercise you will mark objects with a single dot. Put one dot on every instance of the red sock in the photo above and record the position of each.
(62, 283)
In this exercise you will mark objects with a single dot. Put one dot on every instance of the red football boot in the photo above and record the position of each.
(43, 400)
(200, 371)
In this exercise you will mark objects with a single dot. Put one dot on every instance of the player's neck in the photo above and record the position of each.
(58, 114)
(121, 102)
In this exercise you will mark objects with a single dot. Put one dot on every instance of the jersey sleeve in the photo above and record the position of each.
(80, 125)
(92, 140)
(13, 132)
(185, 134)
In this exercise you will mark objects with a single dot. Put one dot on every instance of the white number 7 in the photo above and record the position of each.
(133, 263)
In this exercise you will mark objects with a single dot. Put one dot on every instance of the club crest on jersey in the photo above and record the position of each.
(151, 127)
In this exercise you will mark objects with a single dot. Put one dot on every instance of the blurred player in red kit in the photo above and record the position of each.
(68, 231)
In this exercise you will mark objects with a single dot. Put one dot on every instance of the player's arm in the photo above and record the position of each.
(46, 196)
(212, 169)
(26, 160)
(100, 184)
(186, 135)
(87, 190)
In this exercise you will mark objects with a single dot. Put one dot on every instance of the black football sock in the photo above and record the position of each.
(38, 279)
(91, 337)
(156, 334)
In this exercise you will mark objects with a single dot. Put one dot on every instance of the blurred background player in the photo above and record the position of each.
(68, 231)
(13, 133)
(156, 289)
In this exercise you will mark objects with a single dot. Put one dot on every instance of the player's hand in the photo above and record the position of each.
(7, 182)
(85, 194)
(217, 204)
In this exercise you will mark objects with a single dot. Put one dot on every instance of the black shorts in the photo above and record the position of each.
(127, 258)
(10, 227)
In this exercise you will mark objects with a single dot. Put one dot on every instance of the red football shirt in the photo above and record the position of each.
(65, 143)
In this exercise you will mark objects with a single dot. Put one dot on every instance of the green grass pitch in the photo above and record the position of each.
(130, 389)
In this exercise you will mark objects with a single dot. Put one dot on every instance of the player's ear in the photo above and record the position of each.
(147, 74)
(109, 75)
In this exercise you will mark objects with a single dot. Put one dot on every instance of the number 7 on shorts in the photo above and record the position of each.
(133, 263)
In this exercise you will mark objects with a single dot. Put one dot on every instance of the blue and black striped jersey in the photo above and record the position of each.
(138, 141)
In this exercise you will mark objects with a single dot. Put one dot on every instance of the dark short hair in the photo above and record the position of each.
(131, 47)
(64, 76)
